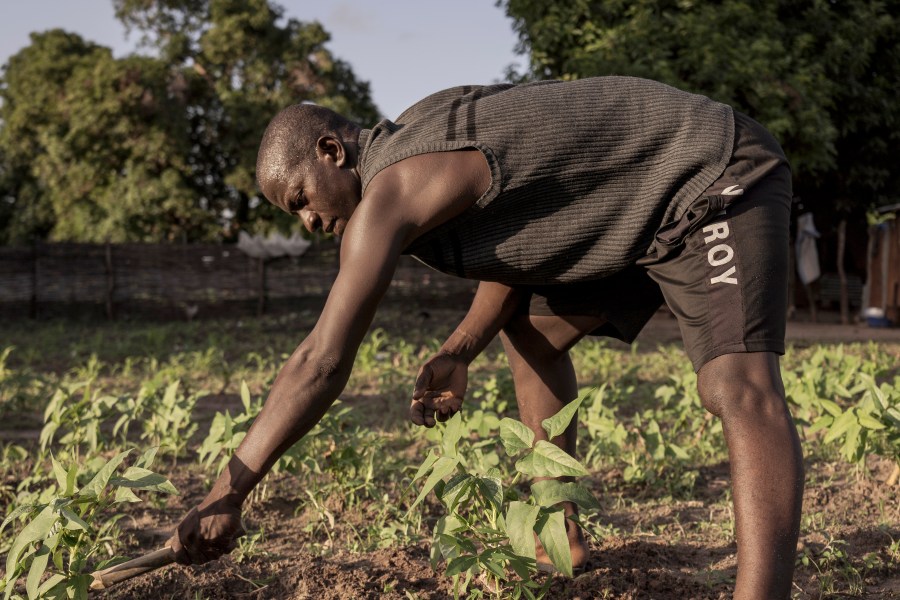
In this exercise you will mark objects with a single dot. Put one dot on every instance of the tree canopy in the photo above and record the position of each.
(821, 75)
(158, 147)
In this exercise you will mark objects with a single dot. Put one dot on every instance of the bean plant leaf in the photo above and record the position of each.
(38, 566)
(557, 424)
(515, 436)
(520, 520)
(551, 530)
(48, 585)
(146, 459)
(653, 440)
(552, 491)
(75, 523)
(823, 422)
(245, 395)
(840, 426)
(678, 451)
(455, 490)
(124, 494)
(36, 530)
(894, 415)
(548, 460)
(854, 447)
(21, 510)
(61, 475)
(491, 559)
(98, 483)
(868, 421)
(831, 407)
(452, 433)
(442, 467)
(144, 479)
(426, 465)
(460, 564)
(445, 544)
(79, 586)
(492, 489)
(47, 434)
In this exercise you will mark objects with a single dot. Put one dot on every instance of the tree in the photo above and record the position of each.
(143, 148)
(820, 75)
(95, 146)
(252, 66)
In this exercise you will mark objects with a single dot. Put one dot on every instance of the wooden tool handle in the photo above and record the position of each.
(132, 568)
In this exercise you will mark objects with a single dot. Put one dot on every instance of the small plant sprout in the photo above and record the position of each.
(487, 530)
(63, 534)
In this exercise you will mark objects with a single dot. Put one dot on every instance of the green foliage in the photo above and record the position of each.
(662, 445)
(820, 75)
(487, 530)
(226, 432)
(20, 389)
(98, 146)
(94, 148)
(837, 395)
(245, 62)
(337, 456)
(70, 525)
(169, 425)
(76, 411)
(352, 470)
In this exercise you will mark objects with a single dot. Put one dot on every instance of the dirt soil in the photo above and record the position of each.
(651, 546)
(659, 548)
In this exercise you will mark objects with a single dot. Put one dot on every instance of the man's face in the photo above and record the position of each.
(322, 194)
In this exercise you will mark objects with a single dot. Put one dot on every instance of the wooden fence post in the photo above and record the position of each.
(261, 304)
(842, 274)
(110, 283)
(33, 305)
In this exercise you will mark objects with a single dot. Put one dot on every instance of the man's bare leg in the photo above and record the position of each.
(537, 348)
(746, 392)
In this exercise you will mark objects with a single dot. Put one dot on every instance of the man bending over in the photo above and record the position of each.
(580, 207)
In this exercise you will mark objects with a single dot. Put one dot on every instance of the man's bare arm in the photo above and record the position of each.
(401, 203)
(494, 304)
(442, 381)
(307, 385)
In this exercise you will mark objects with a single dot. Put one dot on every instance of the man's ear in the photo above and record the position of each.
(328, 145)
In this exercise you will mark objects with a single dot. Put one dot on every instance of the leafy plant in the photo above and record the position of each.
(72, 525)
(226, 432)
(169, 425)
(76, 411)
(487, 530)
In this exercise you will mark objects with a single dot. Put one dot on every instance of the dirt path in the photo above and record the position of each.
(663, 329)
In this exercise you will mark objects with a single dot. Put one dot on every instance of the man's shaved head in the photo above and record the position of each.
(290, 140)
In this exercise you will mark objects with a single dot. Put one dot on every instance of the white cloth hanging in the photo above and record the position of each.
(274, 246)
(808, 267)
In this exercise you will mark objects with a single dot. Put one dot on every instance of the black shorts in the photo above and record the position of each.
(722, 268)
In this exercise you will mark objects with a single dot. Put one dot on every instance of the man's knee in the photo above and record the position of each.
(521, 337)
(742, 387)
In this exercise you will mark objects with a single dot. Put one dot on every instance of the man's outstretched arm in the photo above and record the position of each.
(442, 380)
(402, 202)
(307, 385)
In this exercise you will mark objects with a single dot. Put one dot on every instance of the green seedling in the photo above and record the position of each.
(487, 531)
(71, 525)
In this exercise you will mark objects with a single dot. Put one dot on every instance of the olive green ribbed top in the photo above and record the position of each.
(583, 172)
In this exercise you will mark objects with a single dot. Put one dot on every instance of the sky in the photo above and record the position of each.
(405, 49)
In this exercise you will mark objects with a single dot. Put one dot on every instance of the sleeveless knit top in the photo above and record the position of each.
(582, 172)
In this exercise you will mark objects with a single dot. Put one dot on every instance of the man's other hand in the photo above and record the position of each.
(207, 531)
(440, 389)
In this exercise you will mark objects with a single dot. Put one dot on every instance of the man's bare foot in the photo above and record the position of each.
(577, 546)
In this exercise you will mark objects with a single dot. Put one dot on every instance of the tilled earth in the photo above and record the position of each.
(648, 545)
(651, 547)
